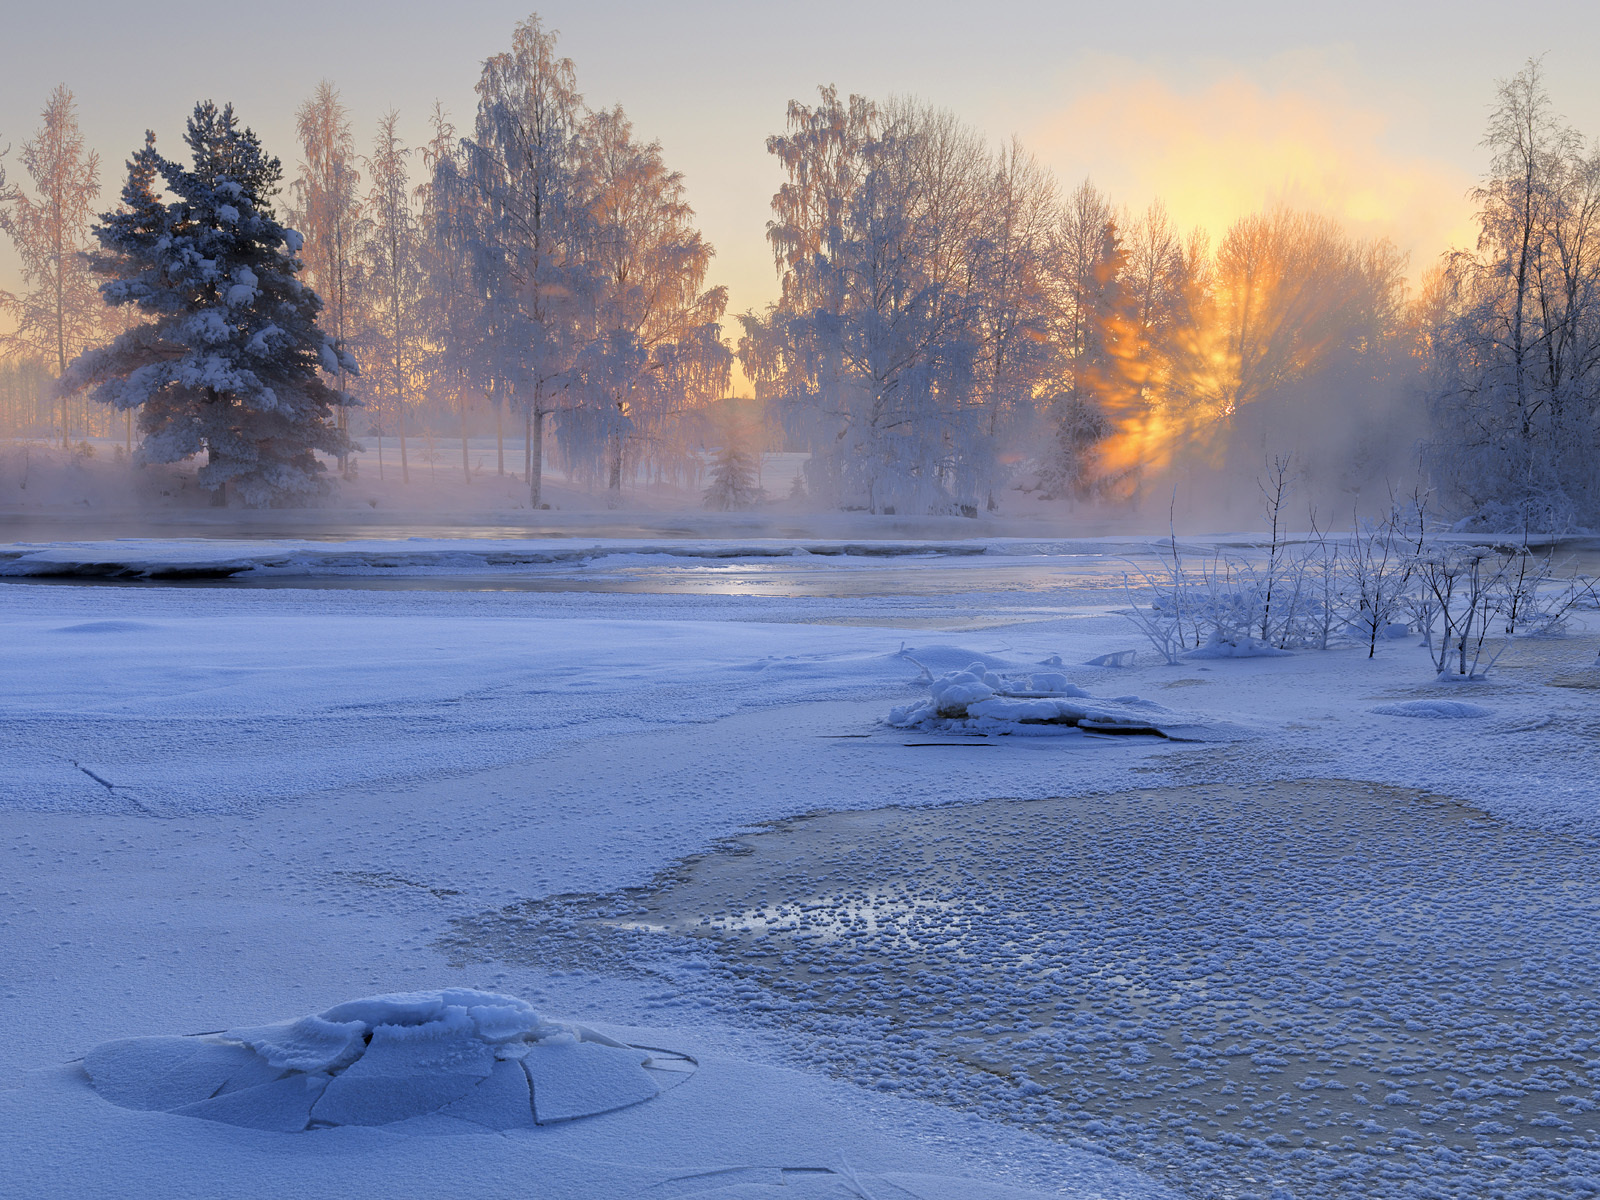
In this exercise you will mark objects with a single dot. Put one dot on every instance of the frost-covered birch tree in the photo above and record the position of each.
(1515, 350)
(448, 305)
(651, 346)
(1010, 272)
(526, 230)
(226, 354)
(393, 277)
(872, 350)
(60, 312)
(327, 212)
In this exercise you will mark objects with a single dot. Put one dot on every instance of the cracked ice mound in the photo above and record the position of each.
(978, 700)
(449, 1061)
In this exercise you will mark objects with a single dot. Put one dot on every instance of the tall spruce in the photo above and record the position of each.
(227, 357)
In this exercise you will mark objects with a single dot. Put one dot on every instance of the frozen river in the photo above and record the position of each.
(1331, 952)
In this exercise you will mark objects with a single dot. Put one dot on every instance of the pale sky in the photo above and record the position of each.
(1372, 111)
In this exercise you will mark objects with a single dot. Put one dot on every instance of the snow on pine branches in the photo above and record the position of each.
(227, 360)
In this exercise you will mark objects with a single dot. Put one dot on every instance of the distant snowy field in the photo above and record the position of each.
(230, 805)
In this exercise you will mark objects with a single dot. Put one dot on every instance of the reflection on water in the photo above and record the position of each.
(837, 578)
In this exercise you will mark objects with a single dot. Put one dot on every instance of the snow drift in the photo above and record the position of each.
(1437, 710)
(446, 1061)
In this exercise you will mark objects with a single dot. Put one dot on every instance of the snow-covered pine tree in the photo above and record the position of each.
(227, 360)
(733, 479)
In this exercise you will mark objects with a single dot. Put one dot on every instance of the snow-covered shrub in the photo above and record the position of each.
(1470, 594)
(1462, 599)
(1379, 570)
(1535, 601)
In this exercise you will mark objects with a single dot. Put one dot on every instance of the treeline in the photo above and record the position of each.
(952, 323)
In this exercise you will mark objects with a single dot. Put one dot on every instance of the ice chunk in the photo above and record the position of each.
(452, 1060)
(284, 1105)
(502, 1101)
(585, 1078)
(1117, 658)
(409, 1070)
(138, 1072)
(447, 1046)
(309, 1044)
(382, 1099)
(952, 693)
(219, 1066)
(502, 1022)
(163, 1073)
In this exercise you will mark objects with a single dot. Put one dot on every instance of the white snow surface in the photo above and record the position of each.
(224, 804)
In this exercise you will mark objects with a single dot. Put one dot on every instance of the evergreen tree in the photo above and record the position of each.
(227, 359)
(735, 466)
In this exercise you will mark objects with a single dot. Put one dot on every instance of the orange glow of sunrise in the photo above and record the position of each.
(1234, 147)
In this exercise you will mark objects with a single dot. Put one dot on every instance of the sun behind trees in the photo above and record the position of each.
(945, 316)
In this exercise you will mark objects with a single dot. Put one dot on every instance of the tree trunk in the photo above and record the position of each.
(466, 466)
(400, 419)
(614, 480)
(499, 439)
(536, 458)
(527, 446)
(219, 498)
